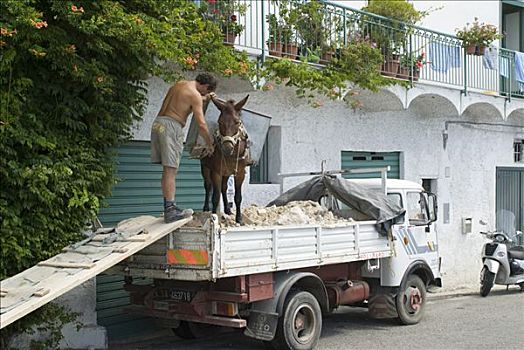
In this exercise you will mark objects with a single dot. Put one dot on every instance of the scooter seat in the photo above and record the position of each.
(516, 252)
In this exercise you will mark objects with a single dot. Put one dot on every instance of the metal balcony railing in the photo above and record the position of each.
(316, 32)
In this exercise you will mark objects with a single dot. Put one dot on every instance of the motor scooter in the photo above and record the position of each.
(503, 261)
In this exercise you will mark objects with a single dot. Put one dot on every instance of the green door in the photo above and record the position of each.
(510, 199)
(358, 160)
(138, 192)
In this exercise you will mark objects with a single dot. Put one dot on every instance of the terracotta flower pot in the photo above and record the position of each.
(390, 68)
(470, 50)
(275, 48)
(229, 39)
(480, 50)
(416, 75)
(290, 51)
(326, 57)
(403, 73)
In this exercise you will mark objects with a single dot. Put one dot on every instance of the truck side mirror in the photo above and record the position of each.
(432, 207)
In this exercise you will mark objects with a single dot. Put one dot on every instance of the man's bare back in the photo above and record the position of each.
(180, 101)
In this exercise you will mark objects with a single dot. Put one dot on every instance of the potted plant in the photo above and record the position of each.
(391, 33)
(309, 20)
(275, 41)
(410, 65)
(225, 13)
(477, 36)
(282, 40)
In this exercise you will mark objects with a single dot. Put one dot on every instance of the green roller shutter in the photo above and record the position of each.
(510, 200)
(357, 160)
(138, 192)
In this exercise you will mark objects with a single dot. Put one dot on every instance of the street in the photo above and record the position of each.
(464, 322)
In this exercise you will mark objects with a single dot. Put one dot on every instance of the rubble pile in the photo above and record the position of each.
(293, 213)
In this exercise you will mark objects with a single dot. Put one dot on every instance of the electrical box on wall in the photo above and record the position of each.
(467, 225)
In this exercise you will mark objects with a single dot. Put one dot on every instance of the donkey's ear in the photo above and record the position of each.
(241, 104)
(218, 103)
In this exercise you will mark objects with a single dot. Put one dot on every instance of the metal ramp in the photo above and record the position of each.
(79, 262)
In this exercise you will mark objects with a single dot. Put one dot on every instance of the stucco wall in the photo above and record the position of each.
(464, 170)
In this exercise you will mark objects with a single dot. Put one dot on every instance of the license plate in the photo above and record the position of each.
(181, 295)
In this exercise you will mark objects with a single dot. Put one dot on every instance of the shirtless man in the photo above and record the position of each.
(167, 135)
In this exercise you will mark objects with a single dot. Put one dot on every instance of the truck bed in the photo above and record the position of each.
(212, 252)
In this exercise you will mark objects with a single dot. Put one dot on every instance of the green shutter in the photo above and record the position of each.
(138, 192)
(510, 197)
(358, 160)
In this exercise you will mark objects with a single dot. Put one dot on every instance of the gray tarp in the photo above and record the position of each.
(371, 202)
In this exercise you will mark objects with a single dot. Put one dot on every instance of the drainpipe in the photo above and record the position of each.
(263, 13)
(465, 91)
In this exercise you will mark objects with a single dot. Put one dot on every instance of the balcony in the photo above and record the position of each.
(446, 62)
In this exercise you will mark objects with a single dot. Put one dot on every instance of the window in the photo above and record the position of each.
(397, 199)
(416, 207)
(518, 151)
(259, 173)
(269, 164)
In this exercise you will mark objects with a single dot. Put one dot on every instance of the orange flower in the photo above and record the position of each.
(3, 31)
(39, 25)
(2, 43)
(267, 87)
(38, 53)
(77, 9)
(100, 79)
(190, 61)
(75, 68)
(228, 71)
(243, 67)
(71, 48)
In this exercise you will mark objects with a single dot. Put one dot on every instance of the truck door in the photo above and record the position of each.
(420, 233)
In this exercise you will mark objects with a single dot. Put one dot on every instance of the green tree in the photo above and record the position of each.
(71, 85)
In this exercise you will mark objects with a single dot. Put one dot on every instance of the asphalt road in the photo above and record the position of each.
(465, 322)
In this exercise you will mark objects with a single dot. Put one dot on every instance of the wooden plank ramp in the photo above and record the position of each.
(46, 281)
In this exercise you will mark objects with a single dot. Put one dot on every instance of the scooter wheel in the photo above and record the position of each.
(486, 281)
(521, 285)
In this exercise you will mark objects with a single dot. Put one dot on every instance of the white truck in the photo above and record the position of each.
(275, 282)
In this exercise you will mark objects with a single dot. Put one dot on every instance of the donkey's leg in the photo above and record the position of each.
(208, 185)
(239, 179)
(227, 210)
(217, 183)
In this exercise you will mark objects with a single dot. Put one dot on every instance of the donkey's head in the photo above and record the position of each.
(229, 124)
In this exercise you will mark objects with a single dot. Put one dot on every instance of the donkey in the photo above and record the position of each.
(230, 157)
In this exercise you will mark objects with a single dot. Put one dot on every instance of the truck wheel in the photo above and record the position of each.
(300, 324)
(486, 281)
(411, 301)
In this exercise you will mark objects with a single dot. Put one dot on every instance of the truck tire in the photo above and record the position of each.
(486, 281)
(300, 324)
(411, 300)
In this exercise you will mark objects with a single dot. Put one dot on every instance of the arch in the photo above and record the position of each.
(380, 101)
(516, 117)
(432, 104)
(482, 111)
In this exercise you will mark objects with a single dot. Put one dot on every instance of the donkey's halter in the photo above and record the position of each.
(240, 135)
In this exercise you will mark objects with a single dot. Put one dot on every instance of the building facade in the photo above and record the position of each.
(458, 132)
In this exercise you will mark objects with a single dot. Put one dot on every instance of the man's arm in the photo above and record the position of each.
(198, 114)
